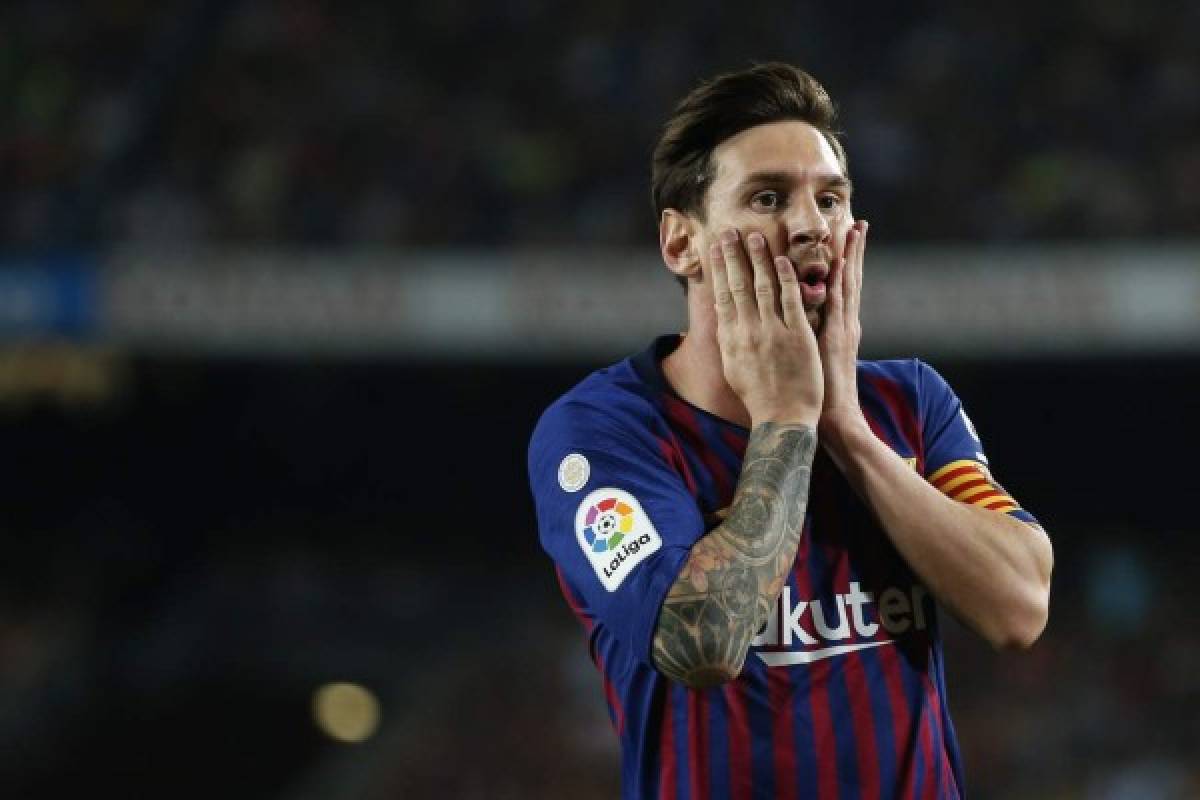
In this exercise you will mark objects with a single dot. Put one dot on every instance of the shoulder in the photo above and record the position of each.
(903, 370)
(611, 403)
(891, 379)
(911, 373)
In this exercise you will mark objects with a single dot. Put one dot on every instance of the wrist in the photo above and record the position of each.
(786, 416)
(844, 437)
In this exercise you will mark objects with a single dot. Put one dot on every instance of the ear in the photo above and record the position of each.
(680, 242)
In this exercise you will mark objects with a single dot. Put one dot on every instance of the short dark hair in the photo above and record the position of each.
(722, 107)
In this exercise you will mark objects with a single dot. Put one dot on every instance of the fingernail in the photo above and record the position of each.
(729, 237)
(756, 240)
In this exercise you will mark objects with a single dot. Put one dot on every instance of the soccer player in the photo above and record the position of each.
(754, 527)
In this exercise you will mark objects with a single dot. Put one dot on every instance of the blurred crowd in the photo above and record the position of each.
(531, 122)
(1105, 707)
(191, 555)
(212, 685)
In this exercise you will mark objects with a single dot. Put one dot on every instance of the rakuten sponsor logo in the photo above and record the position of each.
(810, 627)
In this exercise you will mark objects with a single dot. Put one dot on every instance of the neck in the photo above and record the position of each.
(693, 370)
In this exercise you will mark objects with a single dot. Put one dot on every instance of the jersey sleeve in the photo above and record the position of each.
(955, 462)
(614, 516)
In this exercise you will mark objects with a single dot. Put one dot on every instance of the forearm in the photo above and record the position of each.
(991, 570)
(734, 574)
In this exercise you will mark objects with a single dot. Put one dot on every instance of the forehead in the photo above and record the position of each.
(791, 146)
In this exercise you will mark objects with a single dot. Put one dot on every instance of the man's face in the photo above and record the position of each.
(783, 179)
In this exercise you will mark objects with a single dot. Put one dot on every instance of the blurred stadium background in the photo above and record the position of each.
(284, 285)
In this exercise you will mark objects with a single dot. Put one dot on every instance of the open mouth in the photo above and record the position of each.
(814, 275)
(812, 284)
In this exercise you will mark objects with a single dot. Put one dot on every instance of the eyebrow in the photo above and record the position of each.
(827, 180)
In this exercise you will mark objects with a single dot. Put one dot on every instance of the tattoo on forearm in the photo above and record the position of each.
(735, 573)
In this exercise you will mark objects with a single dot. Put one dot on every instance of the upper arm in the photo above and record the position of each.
(613, 515)
(955, 462)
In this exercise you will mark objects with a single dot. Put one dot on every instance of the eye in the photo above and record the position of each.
(829, 202)
(766, 200)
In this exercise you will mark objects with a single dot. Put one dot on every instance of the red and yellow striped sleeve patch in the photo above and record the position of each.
(969, 482)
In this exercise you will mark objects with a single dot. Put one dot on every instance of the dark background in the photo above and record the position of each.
(188, 563)
(194, 542)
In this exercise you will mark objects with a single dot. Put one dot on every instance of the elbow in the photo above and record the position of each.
(1023, 625)
(700, 674)
(708, 677)
(696, 666)
(1029, 612)
(1023, 633)
(702, 656)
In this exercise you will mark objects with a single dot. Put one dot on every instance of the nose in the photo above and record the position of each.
(807, 226)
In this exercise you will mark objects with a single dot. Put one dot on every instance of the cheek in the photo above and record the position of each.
(745, 221)
(779, 236)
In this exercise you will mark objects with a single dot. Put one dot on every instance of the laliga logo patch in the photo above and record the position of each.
(615, 533)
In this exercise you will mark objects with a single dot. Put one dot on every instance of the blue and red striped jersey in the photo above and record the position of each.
(843, 695)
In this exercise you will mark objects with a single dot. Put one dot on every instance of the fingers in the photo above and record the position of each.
(722, 297)
(738, 275)
(764, 278)
(845, 277)
(845, 290)
(791, 300)
(747, 282)
(835, 295)
(855, 271)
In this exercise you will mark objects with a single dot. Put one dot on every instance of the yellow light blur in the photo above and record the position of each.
(346, 711)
